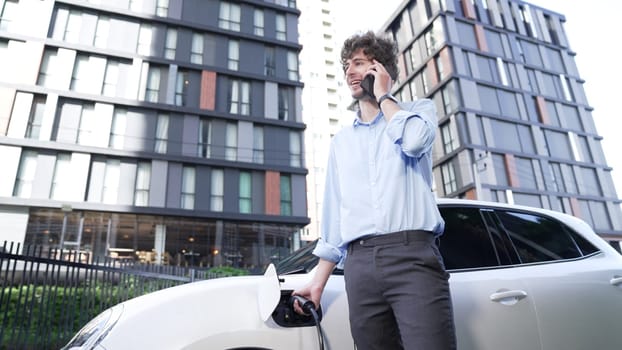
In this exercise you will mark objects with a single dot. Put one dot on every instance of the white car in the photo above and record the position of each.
(521, 278)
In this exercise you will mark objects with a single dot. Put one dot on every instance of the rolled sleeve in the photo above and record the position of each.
(414, 127)
(328, 252)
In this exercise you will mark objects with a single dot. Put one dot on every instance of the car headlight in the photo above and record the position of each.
(96, 330)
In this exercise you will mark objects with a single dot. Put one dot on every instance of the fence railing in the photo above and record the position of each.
(47, 295)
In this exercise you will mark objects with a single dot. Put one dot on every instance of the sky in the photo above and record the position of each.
(592, 28)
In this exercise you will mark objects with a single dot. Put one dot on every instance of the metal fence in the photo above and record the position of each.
(47, 295)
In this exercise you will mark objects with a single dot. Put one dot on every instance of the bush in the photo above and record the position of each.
(227, 271)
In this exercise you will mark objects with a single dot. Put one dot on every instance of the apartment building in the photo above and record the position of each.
(514, 122)
(168, 131)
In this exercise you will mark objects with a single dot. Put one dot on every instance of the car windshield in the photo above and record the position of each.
(301, 261)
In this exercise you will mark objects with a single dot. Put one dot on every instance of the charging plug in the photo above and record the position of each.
(305, 304)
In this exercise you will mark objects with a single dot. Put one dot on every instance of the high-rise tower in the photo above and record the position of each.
(514, 123)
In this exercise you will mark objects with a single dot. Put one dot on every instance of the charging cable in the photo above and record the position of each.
(309, 307)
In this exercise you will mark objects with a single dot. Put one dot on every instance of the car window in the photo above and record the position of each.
(301, 261)
(538, 238)
(466, 243)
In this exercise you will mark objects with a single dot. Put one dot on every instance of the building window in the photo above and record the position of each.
(233, 57)
(145, 35)
(450, 184)
(269, 62)
(501, 68)
(239, 100)
(565, 84)
(258, 22)
(229, 16)
(231, 142)
(286, 195)
(217, 190)
(205, 138)
(141, 188)
(281, 27)
(162, 8)
(181, 88)
(110, 191)
(525, 173)
(557, 183)
(170, 43)
(135, 5)
(424, 80)
(450, 141)
(61, 179)
(49, 70)
(117, 129)
(82, 77)
(525, 15)
(88, 125)
(161, 137)
(111, 78)
(257, 144)
(501, 174)
(8, 13)
(101, 32)
(152, 91)
(284, 103)
(35, 119)
(187, 187)
(196, 53)
(292, 66)
(72, 28)
(295, 148)
(245, 192)
(25, 175)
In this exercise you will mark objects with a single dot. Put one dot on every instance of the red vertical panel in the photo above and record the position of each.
(543, 115)
(576, 208)
(468, 9)
(446, 61)
(273, 192)
(471, 194)
(208, 90)
(510, 166)
(432, 74)
(481, 38)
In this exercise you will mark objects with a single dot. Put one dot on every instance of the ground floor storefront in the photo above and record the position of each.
(162, 240)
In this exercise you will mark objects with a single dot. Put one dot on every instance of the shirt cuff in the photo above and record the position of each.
(328, 252)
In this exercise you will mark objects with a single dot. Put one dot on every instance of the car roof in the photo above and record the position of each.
(566, 218)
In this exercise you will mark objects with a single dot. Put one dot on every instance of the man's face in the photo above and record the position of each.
(355, 70)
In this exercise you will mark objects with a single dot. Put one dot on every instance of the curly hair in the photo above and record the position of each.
(384, 50)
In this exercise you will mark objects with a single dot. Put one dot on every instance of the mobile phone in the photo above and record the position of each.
(367, 84)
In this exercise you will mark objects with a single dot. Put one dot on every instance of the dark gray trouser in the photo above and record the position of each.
(398, 293)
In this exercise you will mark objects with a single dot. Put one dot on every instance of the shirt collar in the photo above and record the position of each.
(358, 121)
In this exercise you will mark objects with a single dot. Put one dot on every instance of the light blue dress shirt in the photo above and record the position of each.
(379, 179)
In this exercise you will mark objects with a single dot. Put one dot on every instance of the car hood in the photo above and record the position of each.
(196, 311)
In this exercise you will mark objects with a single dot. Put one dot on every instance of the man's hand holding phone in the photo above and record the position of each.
(367, 84)
(376, 74)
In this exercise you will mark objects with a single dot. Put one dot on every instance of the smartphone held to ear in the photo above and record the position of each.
(367, 84)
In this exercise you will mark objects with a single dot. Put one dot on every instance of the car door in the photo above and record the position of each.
(493, 308)
(576, 287)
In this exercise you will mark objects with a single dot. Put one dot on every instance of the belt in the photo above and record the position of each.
(392, 238)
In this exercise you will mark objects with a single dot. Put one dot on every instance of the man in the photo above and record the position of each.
(380, 213)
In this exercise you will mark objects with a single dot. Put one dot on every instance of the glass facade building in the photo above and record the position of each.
(168, 131)
(514, 122)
